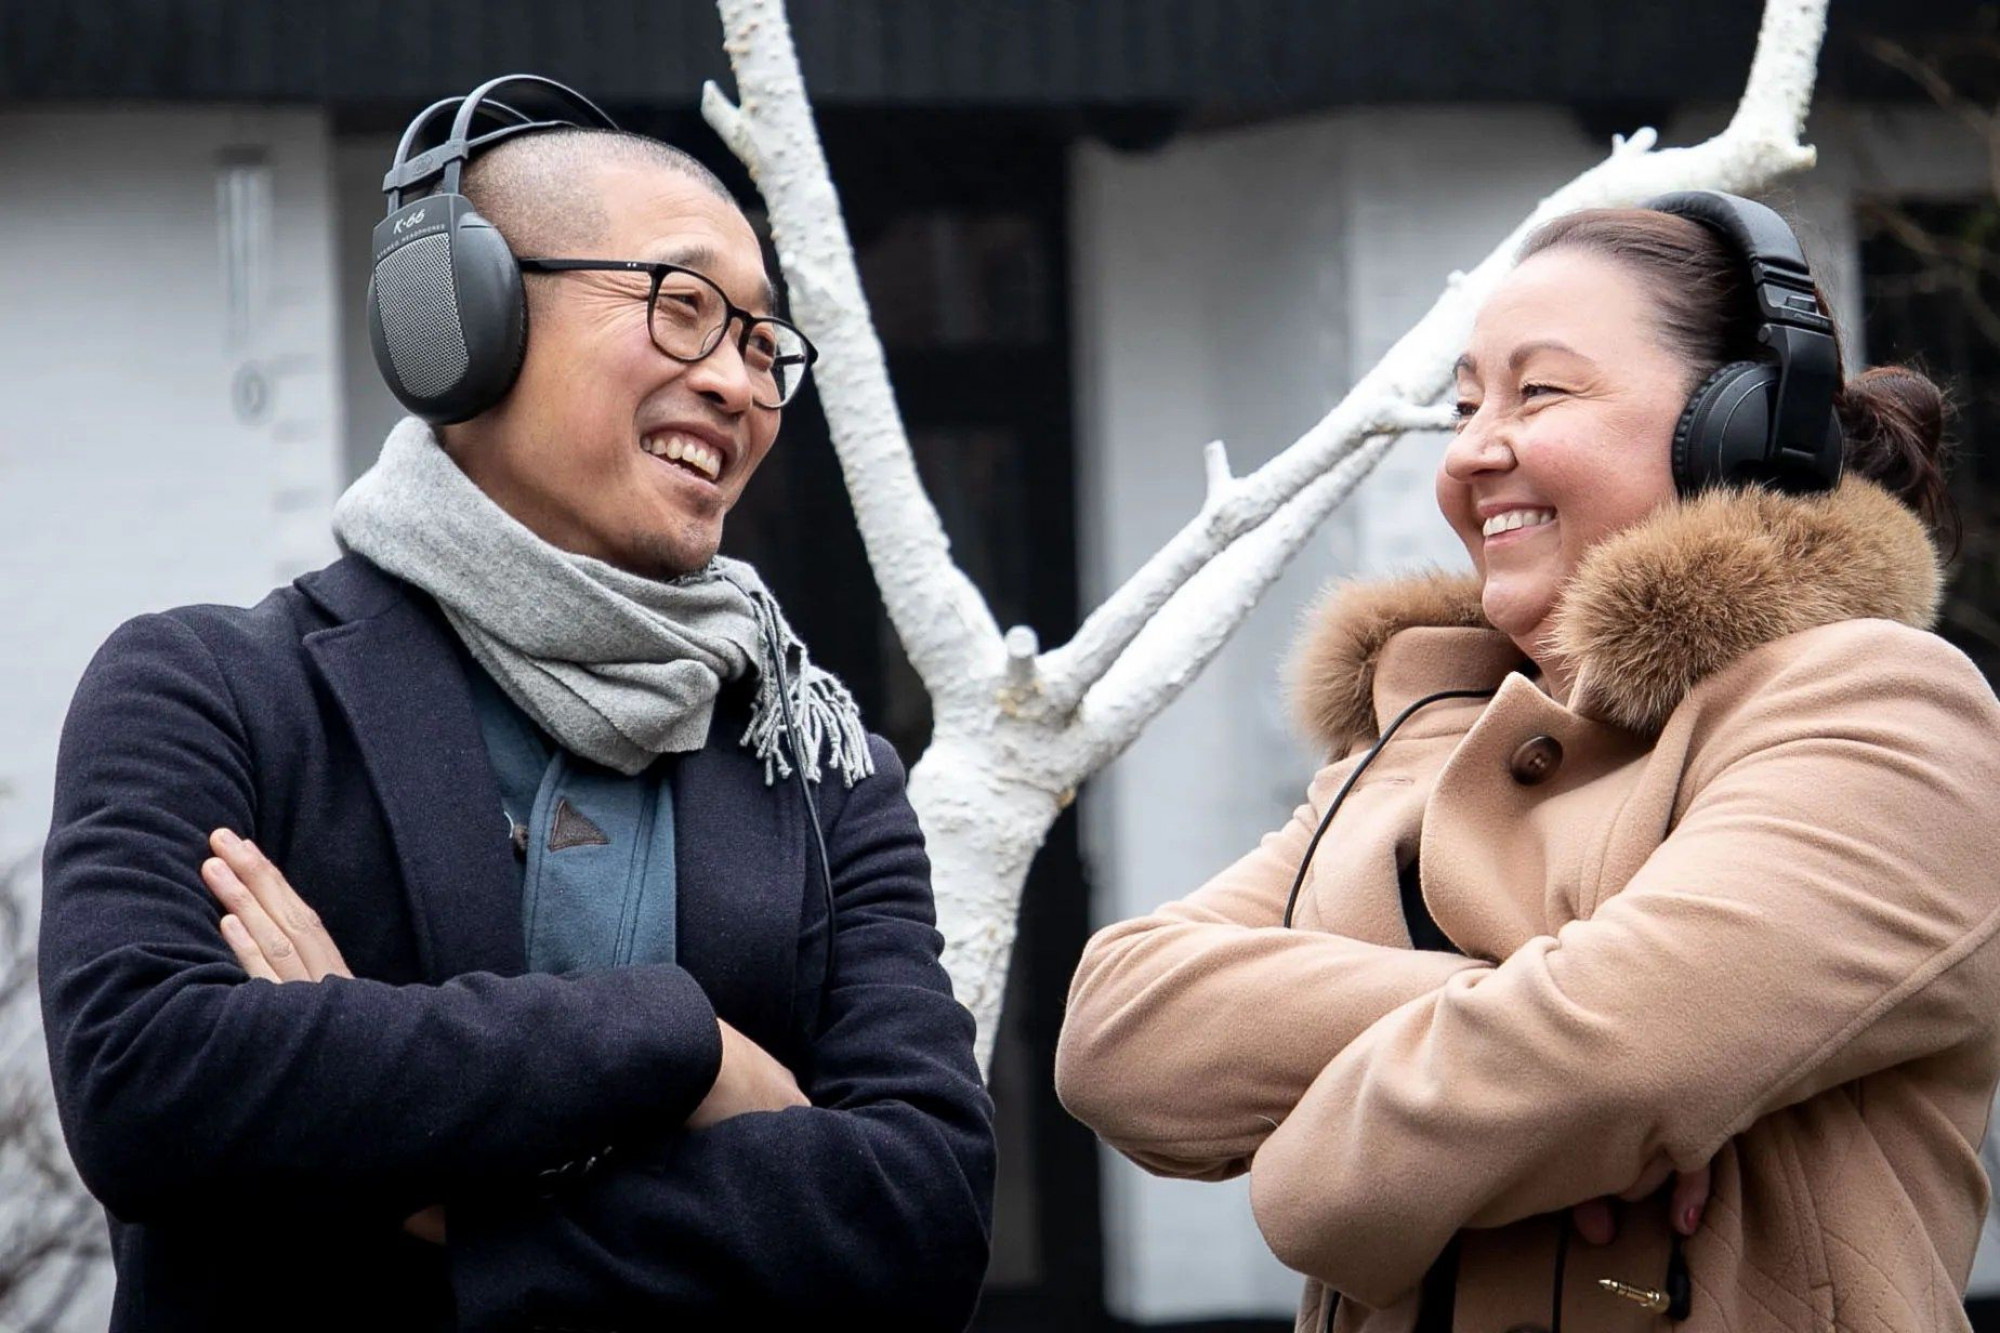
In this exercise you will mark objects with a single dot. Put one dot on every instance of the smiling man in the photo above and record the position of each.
(508, 926)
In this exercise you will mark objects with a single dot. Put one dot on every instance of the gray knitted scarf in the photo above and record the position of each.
(618, 668)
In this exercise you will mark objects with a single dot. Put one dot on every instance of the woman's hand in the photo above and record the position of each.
(1597, 1222)
(269, 928)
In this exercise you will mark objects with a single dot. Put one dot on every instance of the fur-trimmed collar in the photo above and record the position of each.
(1653, 610)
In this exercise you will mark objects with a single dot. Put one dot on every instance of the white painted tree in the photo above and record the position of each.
(1017, 728)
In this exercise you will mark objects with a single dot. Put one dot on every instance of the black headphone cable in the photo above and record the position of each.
(1332, 1300)
(1333, 806)
(1679, 1287)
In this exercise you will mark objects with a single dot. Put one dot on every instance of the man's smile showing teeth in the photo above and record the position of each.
(686, 450)
(1517, 518)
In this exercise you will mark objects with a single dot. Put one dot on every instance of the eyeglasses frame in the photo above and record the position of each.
(657, 271)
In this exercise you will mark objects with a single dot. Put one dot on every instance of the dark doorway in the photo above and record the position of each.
(959, 222)
(1931, 290)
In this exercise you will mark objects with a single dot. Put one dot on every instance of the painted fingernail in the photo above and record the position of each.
(1691, 1219)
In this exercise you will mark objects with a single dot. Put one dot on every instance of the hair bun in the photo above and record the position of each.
(1893, 420)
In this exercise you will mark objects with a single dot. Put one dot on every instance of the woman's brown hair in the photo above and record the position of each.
(1892, 418)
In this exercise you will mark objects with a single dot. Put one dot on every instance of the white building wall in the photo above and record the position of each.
(170, 374)
(359, 162)
(1210, 286)
(1232, 286)
(171, 432)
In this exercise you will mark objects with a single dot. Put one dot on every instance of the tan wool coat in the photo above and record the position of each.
(1735, 903)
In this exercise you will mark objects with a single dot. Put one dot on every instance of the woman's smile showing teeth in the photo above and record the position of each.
(690, 453)
(1515, 519)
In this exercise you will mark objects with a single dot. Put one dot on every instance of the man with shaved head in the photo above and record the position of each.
(509, 926)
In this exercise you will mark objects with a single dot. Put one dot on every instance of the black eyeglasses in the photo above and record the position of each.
(688, 317)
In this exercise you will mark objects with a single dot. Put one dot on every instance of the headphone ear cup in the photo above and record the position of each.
(1723, 436)
(446, 318)
(492, 313)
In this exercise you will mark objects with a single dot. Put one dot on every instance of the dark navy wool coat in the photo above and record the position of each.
(257, 1145)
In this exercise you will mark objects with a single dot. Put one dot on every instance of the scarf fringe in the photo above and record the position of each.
(618, 668)
(829, 721)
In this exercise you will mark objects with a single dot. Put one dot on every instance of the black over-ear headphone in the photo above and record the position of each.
(1771, 420)
(445, 312)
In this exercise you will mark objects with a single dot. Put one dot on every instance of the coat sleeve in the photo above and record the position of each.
(1191, 1033)
(874, 1204)
(181, 1081)
(1823, 910)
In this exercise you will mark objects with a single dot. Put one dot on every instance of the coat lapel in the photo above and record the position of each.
(391, 666)
(741, 882)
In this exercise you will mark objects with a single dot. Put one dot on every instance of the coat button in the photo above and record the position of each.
(1536, 760)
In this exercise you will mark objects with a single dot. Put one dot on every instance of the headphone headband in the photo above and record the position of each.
(446, 316)
(532, 83)
(449, 158)
(1778, 271)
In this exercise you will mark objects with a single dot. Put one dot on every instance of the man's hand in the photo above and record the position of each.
(269, 928)
(1597, 1223)
(427, 1225)
(274, 935)
(751, 1079)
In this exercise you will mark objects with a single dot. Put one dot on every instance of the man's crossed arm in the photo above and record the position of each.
(277, 937)
(185, 1084)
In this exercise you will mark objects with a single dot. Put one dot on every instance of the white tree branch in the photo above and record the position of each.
(1778, 91)
(732, 128)
(1760, 145)
(1234, 507)
(1180, 640)
(1017, 729)
(944, 623)
(1215, 463)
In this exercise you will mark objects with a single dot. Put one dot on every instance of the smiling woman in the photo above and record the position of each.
(1567, 400)
(1648, 971)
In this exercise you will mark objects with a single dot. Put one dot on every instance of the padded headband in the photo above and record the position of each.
(449, 158)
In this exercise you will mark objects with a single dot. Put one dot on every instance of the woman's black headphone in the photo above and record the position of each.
(1771, 420)
(445, 311)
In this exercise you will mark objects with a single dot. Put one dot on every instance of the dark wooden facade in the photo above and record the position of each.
(1247, 55)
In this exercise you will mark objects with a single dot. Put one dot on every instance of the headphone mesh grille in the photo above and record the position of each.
(420, 316)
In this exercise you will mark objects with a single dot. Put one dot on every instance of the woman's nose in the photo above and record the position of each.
(1477, 447)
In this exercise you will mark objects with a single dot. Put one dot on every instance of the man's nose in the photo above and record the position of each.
(722, 377)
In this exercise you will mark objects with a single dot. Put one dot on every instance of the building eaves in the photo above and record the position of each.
(1251, 55)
